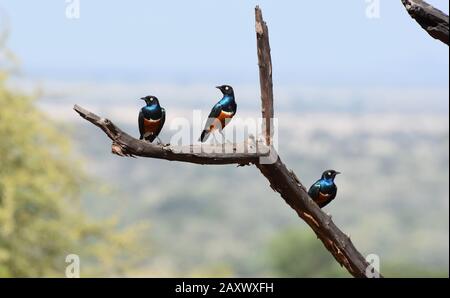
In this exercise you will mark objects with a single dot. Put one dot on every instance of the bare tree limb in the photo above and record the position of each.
(282, 180)
(432, 20)
(287, 184)
(126, 145)
(265, 75)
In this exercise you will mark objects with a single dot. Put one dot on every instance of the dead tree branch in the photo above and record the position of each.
(281, 179)
(125, 145)
(432, 20)
(287, 184)
(265, 75)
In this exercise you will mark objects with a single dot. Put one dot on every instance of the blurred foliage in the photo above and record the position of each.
(298, 253)
(213, 227)
(41, 219)
(215, 233)
(217, 270)
(394, 269)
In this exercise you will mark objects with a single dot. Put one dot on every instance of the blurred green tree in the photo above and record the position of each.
(297, 253)
(41, 219)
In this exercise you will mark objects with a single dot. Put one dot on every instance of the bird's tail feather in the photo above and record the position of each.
(204, 136)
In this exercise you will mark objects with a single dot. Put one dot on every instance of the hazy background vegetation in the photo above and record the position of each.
(355, 102)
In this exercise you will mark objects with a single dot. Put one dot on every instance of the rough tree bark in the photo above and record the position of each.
(432, 20)
(281, 179)
(125, 145)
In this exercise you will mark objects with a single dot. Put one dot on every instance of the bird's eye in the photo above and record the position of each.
(226, 88)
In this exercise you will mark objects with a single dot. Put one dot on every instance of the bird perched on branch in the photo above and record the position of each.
(151, 119)
(223, 110)
(323, 191)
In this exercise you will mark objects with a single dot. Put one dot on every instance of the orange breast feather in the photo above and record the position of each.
(220, 121)
(322, 198)
(151, 126)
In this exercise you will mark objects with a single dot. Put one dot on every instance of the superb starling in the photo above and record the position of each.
(151, 119)
(323, 191)
(225, 108)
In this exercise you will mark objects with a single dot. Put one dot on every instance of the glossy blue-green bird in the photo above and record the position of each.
(225, 109)
(323, 191)
(151, 119)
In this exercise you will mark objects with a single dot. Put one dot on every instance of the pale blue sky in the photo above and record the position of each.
(324, 42)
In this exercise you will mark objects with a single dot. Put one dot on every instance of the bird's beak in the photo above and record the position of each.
(143, 98)
(337, 173)
(218, 87)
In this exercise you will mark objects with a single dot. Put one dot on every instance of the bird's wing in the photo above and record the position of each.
(314, 190)
(141, 124)
(333, 191)
(161, 122)
(215, 112)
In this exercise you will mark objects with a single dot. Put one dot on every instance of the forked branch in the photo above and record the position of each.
(287, 184)
(281, 179)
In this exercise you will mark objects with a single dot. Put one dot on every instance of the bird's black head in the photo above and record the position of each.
(226, 89)
(329, 174)
(150, 99)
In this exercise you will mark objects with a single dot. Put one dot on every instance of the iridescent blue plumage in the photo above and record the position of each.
(153, 111)
(227, 103)
(224, 109)
(151, 119)
(323, 191)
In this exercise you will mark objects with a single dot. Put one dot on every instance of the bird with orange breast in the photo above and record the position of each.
(151, 119)
(221, 113)
(323, 191)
